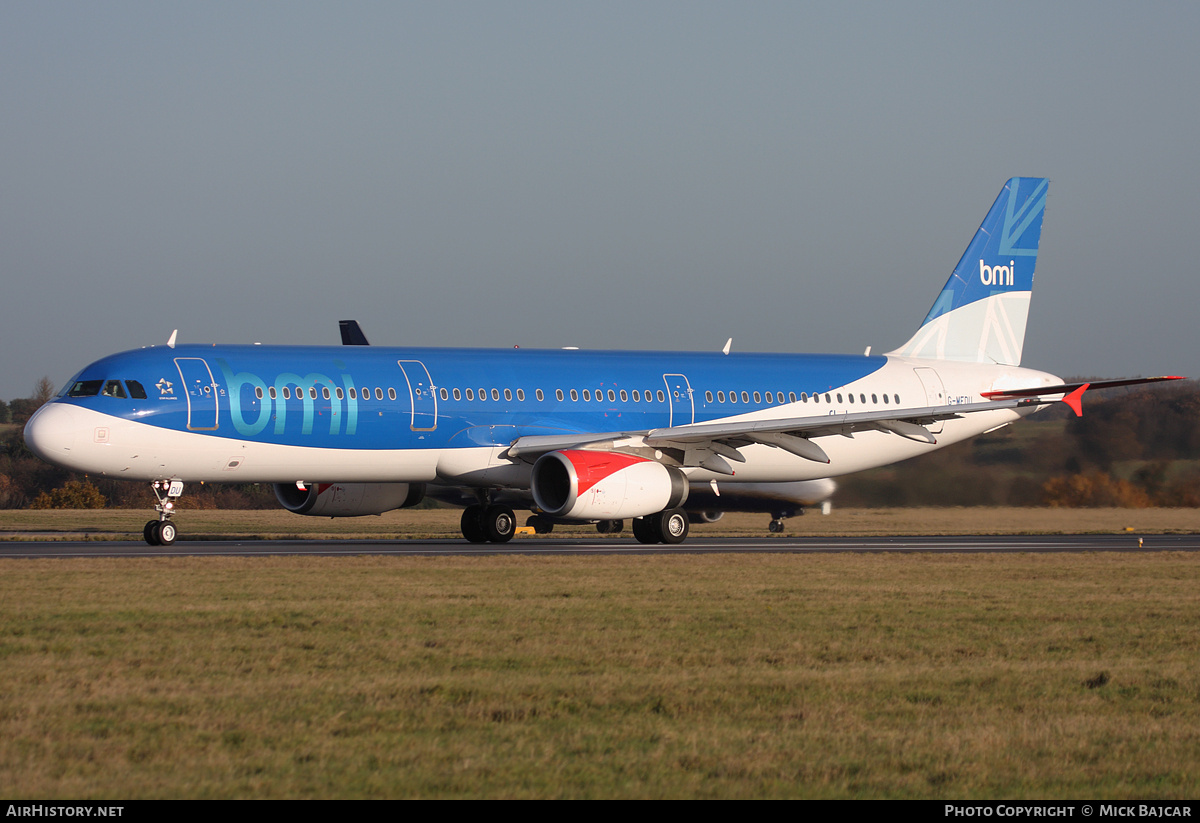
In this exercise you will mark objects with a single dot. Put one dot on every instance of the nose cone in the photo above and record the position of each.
(52, 431)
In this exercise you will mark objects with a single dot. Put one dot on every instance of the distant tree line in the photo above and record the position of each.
(1133, 447)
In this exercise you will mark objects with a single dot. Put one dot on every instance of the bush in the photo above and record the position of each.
(1093, 490)
(74, 494)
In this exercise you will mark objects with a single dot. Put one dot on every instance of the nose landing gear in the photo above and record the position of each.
(162, 532)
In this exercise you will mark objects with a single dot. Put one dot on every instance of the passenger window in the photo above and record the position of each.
(885, 400)
(287, 393)
(258, 392)
(839, 397)
(379, 393)
(558, 395)
(862, 398)
(338, 393)
(851, 398)
(720, 397)
(458, 394)
(520, 394)
(612, 396)
(624, 396)
(896, 397)
(874, 399)
(770, 397)
(507, 395)
(757, 397)
(637, 397)
(392, 393)
(325, 392)
(312, 392)
(792, 395)
(445, 395)
(540, 395)
(745, 397)
(470, 394)
(733, 397)
(483, 394)
(661, 396)
(827, 400)
(574, 395)
(708, 397)
(587, 394)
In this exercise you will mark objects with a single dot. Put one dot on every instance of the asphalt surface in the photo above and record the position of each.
(1131, 542)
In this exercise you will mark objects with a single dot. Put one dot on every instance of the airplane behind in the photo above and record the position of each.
(572, 436)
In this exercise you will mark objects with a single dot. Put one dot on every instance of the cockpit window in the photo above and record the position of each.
(113, 388)
(135, 390)
(85, 388)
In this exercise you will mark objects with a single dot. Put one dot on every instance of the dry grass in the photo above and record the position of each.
(124, 524)
(674, 676)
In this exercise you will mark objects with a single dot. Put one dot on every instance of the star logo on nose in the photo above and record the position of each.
(164, 386)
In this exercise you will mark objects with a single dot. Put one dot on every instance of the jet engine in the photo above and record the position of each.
(348, 499)
(587, 485)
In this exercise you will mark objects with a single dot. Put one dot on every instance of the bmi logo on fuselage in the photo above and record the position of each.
(996, 275)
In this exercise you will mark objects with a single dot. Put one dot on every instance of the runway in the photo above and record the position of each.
(609, 546)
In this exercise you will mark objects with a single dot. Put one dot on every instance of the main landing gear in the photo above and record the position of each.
(161, 532)
(668, 527)
(488, 524)
(777, 526)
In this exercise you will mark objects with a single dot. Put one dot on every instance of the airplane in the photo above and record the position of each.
(570, 435)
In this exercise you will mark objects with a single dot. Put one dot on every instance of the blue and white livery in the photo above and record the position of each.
(570, 435)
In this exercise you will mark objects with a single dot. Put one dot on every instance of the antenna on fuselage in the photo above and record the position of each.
(171, 340)
(728, 345)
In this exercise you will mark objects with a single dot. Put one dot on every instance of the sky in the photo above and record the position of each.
(639, 175)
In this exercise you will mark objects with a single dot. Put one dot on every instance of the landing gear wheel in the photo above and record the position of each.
(610, 526)
(539, 524)
(775, 526)
(499, 524)
(150, 533)
(472, 524)
(672, 526)
(645, 529)
(165, 533)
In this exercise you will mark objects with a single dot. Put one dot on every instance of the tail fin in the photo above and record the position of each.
(980, 314)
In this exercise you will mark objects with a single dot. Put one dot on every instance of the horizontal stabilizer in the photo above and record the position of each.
(1074, 391)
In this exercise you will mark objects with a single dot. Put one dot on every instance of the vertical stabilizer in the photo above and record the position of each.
(979, 316)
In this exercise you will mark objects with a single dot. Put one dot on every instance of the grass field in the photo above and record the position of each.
(1006, 676)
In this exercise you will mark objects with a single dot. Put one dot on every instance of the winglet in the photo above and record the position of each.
(1075, 399)
(352, 333)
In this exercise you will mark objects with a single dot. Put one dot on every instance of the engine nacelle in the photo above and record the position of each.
(348, 499)
(586, 485)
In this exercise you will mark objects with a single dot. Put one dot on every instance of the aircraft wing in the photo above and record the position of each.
(709, 445)
(789, 433)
